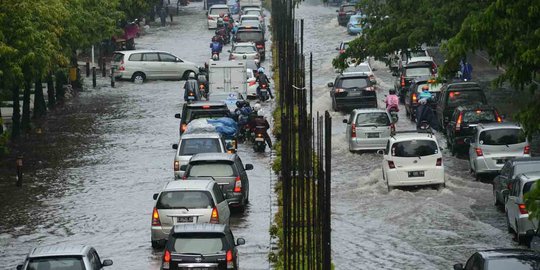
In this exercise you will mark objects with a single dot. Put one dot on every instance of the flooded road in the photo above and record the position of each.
(108, 152)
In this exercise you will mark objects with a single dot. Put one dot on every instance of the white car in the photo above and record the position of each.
(254, 18)
(191, 144)
(141, 65)
(413, 158)
(213, 14)
(251, 84)
(254, 11)
(517, 215)
(362, 68)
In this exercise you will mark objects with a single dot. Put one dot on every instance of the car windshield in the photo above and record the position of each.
(522, 263)
(244, 49)
(118, 57)
(479, 116)
(456, 98)
(250, 18)
(359, 68)
(417, 53)
(60, 263)
(249, 36)
(417, 71)
(197, 114)
(201, 243)
(217, 11)
(199, 145)
(252, 12)
(349, 8)
(188, 199)
(414, 148)
(433, 87)
(360, 82)
(503, 136)
(215, 169)
(374, 118)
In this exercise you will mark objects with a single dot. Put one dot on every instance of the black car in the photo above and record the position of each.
(409, 72)
(509, 171)
(456, 94)
(499, 259)
(201, 246)
(352, 91)
(252, 34)
(201, 109)
(345, 12)
(463, 123)
(413, 92)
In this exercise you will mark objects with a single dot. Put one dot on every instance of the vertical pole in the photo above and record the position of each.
(93, 63)
(328, 168)
(103, 67)
(87, 69)
(112, 77)
(19, 166)
(94, 77)
(311, 84)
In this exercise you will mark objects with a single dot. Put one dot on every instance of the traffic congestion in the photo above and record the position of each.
(427, 174)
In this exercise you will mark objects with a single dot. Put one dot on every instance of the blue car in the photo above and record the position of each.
(354, 26)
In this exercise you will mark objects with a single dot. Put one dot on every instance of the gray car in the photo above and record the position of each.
(368, 129)
(227, 170)
(509, 171)
(195, 143)
(64, 256)
(517, 216)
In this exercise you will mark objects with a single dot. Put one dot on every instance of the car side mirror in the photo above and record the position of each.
(19, 267)
(177, 115)
(240, 241)
(155, 196)
(380, 152)
(183, 168)
(330, 84)
(345, 121)
(175, 146)
(458, 266)
(249, 167)
(107, 262)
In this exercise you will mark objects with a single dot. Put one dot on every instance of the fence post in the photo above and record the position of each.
(94, 77)
(87, 69)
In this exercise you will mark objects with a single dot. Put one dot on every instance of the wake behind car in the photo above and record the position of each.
(456, 94)
(64, 256)
(499, 259)
(413, 158)
(368, 129)
(141, 65)
(352, 91)
(201, 246)
(345, 11)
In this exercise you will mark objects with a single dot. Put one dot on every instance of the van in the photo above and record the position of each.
(227, 76)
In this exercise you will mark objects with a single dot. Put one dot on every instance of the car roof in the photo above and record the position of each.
(412, 134)
(213, 157)
(202, 184)
(368, 110)
(352, 75)
(530, 176)
(484, 126)
(206, 103)
(219, 6)
(200, 135)
(462, 85)
(417, 64)
(243, 44)
(140, 51)
(200, 228)
(420, 59)
(58, 250)
(506, 252)
(473, 107)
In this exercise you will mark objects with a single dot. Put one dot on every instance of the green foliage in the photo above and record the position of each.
(532, 199)
(136, 8)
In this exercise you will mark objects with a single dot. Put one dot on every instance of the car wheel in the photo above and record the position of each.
(186, 74)
(496, 203)
(138, 77)
(519, 239)
(156, 244)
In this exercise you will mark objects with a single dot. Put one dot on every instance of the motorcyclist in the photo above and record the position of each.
(220, 21)
(424, 113)
(191, 88)
(222, 32)
(263, 79)
(392, 101)
(425, 94)
(243, 110)
(216, 47)
(261, 126)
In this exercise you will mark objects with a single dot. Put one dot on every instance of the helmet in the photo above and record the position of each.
(260, 70)
(260, 113)
(191, 75)
(257, 107)
(215, 57)
(392, 91)
(425, 88)
(226, 19)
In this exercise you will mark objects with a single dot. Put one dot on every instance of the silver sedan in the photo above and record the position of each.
(244, 51)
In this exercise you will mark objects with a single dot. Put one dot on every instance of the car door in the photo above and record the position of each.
(221, 204)
(511, 204)
(169, 66)
(93, 258)
(152, 66)
(450, 127)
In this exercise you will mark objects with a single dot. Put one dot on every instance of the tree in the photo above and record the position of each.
(40, 107)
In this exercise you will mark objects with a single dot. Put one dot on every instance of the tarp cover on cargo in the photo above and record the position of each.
(225, 126)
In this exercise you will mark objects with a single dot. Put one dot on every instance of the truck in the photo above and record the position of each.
(227, 76)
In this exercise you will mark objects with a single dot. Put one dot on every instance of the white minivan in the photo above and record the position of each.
(141, 65)
(213, 14)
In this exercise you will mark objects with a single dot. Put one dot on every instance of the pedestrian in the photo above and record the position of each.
(162, 16)
(466, 70)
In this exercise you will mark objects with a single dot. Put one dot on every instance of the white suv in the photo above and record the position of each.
(140, 65)
(413, 158)
(517, 215)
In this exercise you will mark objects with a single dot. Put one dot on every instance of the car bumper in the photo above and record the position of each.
(524, 224)
(159, 233)
(357, 144)
(355, 103)
(488, 164)
(434, 177)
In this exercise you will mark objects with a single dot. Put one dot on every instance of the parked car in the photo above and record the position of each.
(463, 124)
(252, 34)
(362, 68)
(243, 51)
(63, 256)
(201, 246)
(181, 202)
(408, 73)
(509, 171)
(368, 129)
(517, 216)
(227, 170)
(352, 92)
(413, 158)
(141, 65)
(456, 94)
(499, 259)
(493, 144)
(354, 26)
(192, 144)
(213, 14)
(345, 11)
(413, 92)
(201, 109)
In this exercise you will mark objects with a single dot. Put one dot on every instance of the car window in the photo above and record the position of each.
(249, 18)
(64, 262)
(152, 57)
(417, 53)
(180, 199)
(506, 263)
(135, 57)
(118, 57)
(344, 45)
(359, 82)
(465, 97)
(218, 194)
(217, 11)
(244, 49)
(417, 71)
(197, 114)
(165, 57)
(215, 169)
(249, 36)
(503, 136)
(199, 145)
(479, 116)
(349, 8)
(203, 243)
(414, 148)
(374, 118)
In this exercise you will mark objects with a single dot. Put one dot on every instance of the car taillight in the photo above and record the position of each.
(214, 218)
(211, 18)
(459, 121)
(353, 131)
(122, 68)
(176, 165)
(184, 127)
(252, 83)
(201, 86)
(414, 98)
(237, 185)
(166, 259)
(259, 46)
(439, 162)
(499, 118)
(230, 262)
(391, 164)
(522, 209)
(479, 151)
(155, 218)
(527, 150)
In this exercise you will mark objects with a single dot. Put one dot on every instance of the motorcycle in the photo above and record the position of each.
(394, 113)
(263, 92)
(215, 56)
(260, 142)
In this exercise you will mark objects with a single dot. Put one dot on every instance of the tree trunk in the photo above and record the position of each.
(60, 81)
(25, 123)
(40, 107)
(50, 91)
(16, 125)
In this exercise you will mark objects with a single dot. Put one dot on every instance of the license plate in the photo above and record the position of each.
(501, 161)
(416, 174)
(373, 135)
(259, 139)
(184, 219)
(191, 97)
